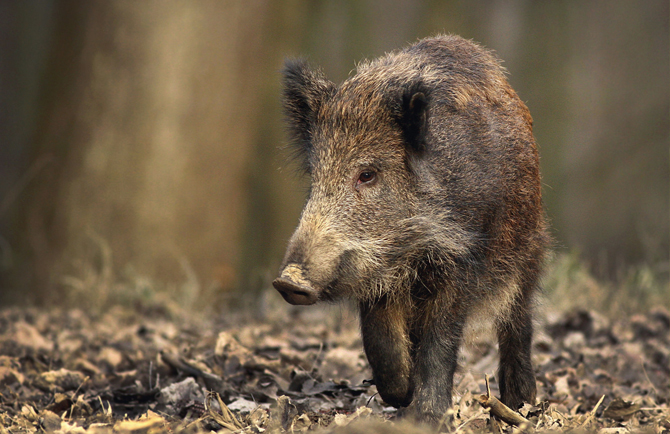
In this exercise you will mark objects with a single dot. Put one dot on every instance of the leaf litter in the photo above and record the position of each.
(128, 371)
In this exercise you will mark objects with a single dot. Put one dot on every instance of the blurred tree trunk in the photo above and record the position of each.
(146, 122)
(25, 30)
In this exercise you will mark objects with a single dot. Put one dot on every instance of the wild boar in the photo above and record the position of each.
(425, 208)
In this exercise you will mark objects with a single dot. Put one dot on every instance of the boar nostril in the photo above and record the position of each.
(294, 293)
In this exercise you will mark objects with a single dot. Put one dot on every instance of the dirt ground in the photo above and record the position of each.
(153, 370)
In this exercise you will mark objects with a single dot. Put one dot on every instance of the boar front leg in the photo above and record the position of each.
(387, 347)
(439, 329)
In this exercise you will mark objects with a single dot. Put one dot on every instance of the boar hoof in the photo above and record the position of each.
(293, 292)
(397, 400)
(425, 414)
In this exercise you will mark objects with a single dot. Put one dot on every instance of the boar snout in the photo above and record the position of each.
(294, 288)
(293, 292)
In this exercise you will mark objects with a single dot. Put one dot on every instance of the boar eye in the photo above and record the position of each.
(366, 177)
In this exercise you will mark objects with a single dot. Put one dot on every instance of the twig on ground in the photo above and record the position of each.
(371, 398)
(499, 409)
(316, 359)
(592, 414)
(79, 388)
(644, 370)
(212, 381)
(226, 418)
(470, 419)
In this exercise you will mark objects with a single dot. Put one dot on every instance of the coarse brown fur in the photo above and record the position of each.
(425, 207)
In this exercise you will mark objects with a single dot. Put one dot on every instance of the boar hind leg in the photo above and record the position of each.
(515, 373)
(387, 347)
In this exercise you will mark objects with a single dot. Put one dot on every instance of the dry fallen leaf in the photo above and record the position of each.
(61, 379)
(621, 410)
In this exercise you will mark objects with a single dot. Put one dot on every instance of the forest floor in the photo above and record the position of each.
(156, 370)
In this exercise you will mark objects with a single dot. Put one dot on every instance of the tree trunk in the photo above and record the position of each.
(146, 132)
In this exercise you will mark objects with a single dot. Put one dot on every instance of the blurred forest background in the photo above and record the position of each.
(141, 140)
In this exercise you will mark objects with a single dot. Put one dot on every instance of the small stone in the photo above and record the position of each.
(49, 421)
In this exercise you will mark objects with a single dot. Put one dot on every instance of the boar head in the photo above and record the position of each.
(362, 144)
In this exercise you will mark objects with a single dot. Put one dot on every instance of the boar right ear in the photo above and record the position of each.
(414, 117)
(304, 91)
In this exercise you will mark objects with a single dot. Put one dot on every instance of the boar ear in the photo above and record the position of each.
(414, 117)
(304, 91)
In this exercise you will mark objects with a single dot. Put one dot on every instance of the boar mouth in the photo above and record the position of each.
(295, 293)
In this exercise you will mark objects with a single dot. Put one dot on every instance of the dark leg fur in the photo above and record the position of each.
(435, 360)
(515, 372)
(387, 346)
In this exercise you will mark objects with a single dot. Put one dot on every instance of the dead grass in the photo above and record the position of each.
(570, 285)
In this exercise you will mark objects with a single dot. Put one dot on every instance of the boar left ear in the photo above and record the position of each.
(414, 117)
(305, 89)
